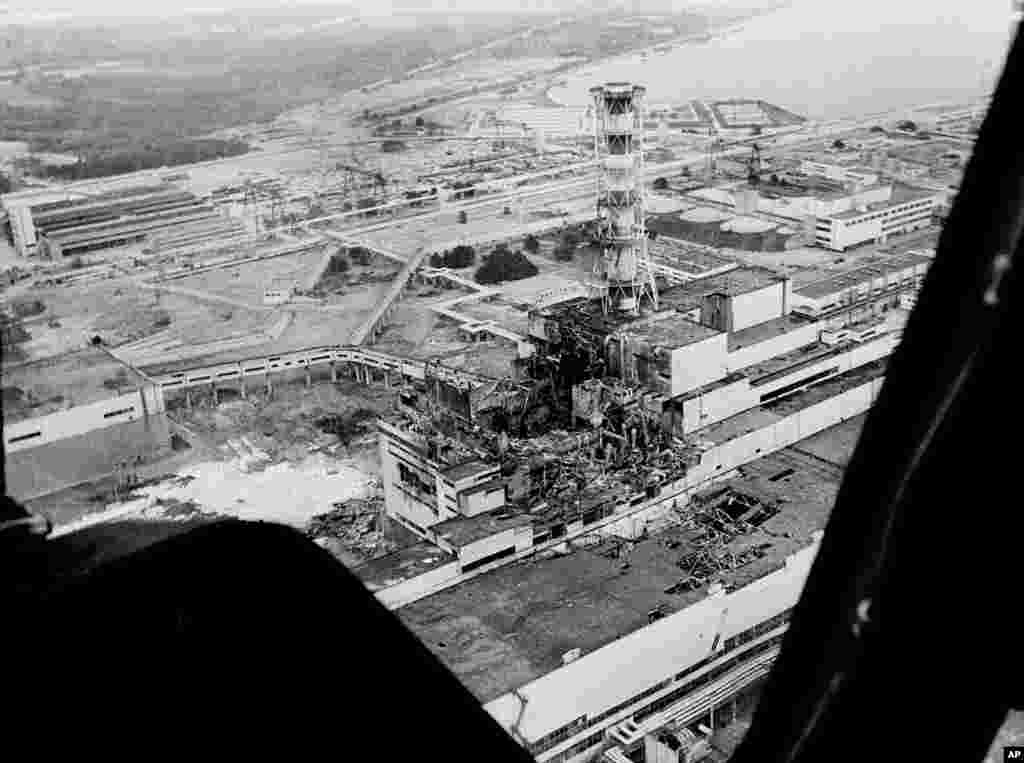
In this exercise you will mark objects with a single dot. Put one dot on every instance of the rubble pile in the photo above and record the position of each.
(719, 518)
(353, 526)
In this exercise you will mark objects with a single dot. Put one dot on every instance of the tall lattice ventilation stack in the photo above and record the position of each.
(622, 276)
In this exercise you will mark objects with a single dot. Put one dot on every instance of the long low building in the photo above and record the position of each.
(58, 224)
(604, 642)
(863, 291)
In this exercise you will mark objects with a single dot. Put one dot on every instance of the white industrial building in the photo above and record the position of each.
(903, 211)
(861, 292)
(855, 175)
(742, 365)
(86, 216)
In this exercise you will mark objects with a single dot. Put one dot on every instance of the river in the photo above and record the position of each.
(827, 60)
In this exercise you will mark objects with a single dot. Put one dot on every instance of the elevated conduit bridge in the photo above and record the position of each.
(362, 364)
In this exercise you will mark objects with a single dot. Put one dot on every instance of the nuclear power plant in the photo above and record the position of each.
(570, 389)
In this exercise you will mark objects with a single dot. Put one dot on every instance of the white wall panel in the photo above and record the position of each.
(31, 433)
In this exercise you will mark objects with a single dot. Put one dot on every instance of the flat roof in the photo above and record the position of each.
(683, 257)
(738, 425)
(927, 239)
(505, 628)
(103, 197)
(725, 381)
(764, 331)
(901, 194)
(790, 361)
(671, 331)
(467, 469)
(401, 565)
(829, 388)
(461, 531)
(74, 378)
(130, 223)
(866, 269)
(741, 280)
(769, 413)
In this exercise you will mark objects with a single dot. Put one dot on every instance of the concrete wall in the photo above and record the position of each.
(31, 433)
(35, 472)
(698, 364)
(482, 501)
(729, 455)
(845, 235)
(604, 678)
(422, 510)
(23, 230)
(766, 597)
(758, 306)
(772, 347)
(716, 405)
(731, 399)
(487, 546)
(416, 587)
(523, 537)
(857, 355)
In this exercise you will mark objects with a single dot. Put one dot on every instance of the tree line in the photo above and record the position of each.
(160, 154)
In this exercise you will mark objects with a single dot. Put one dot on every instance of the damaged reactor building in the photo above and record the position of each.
(615, 530)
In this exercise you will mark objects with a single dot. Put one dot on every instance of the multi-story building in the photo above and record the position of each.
(906, 209)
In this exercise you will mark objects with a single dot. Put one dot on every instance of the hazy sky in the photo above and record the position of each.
(82, 8)
(19, 10)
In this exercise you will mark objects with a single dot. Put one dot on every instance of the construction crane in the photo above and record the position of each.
(754, 165)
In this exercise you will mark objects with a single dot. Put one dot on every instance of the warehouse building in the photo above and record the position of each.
(61, 224)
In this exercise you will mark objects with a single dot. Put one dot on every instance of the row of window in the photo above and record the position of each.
(877, 292)
(118, 412)
(793, 386)
(913, 208)
(412, 478)
(758, 630)
(23, 437)
(595, 739)
(906, 218)
(503, 554)
(561, 734)
(712, 675)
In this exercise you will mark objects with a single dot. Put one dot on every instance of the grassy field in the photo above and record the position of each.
(124, 312)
